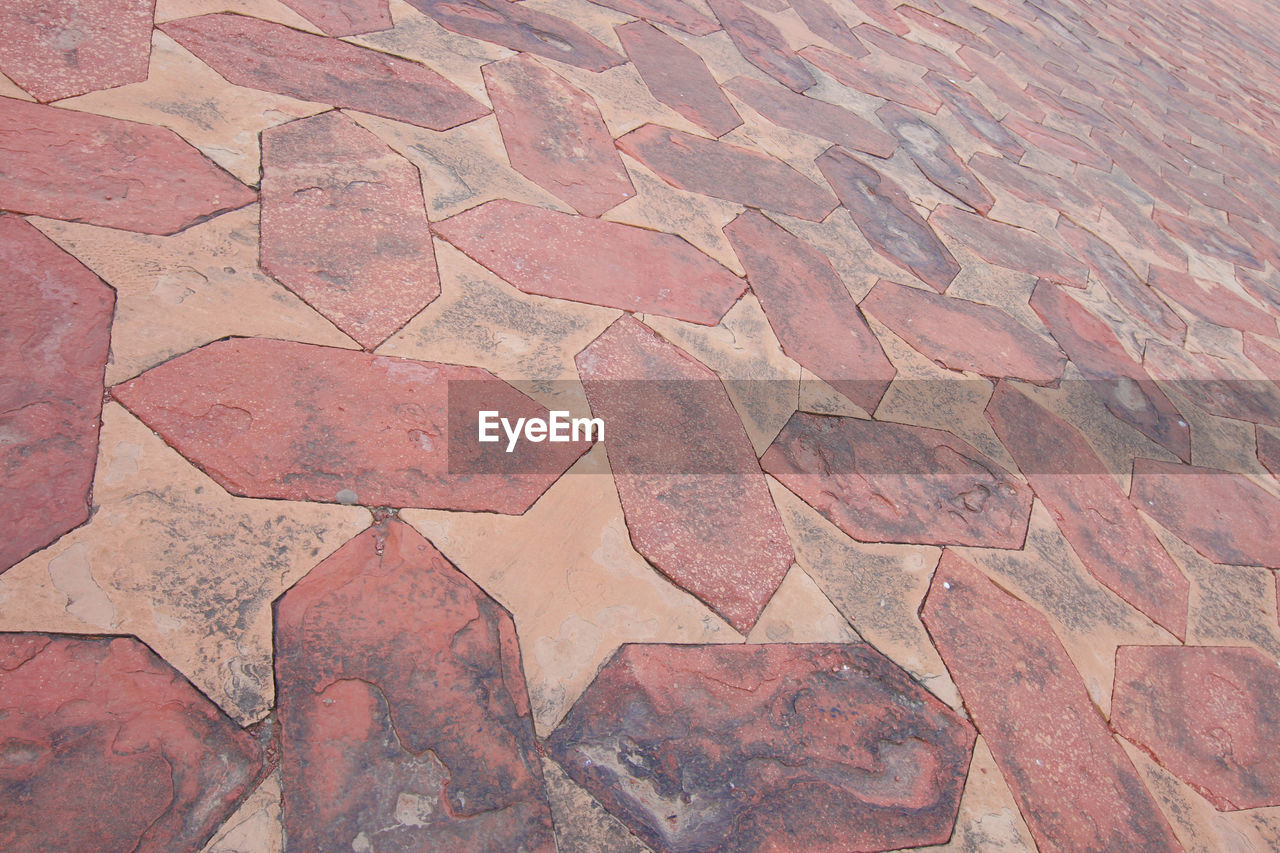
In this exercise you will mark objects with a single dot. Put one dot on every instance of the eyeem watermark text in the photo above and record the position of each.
(557, 427)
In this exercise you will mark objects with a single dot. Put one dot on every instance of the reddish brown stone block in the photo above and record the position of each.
(1269, 456)
(725, 171)
(910, 51)
(86, 168)
(761, 44)
(887, 482)
(824, 22)
(809, 115)
(1265, 290)
(1137, 169)
(278, 419)
(974, 116)
(935, 157)
(108, 748)
(1207, 714)
(1009, 246)
(55, 333)
(1073, 783)
(887, 218)
(893, 84)
(693, 495)
(1211, 301)
(882, 12)
(1090, 509)
(1266, 356)
(821, 748)
(589, 260)
(942, 27)
(1057, 142)
(344, 17)
(404, 717)
(678, 77)
(1213, 241)
(672, 13)
(263, 55)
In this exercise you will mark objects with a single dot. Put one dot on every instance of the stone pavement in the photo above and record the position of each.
(934, 344)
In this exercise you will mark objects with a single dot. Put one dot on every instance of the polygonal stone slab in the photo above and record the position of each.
(404, 719)
(820, 748)
(1219, 386)
(1213, 241)
(910, 51)
(344, 17)
(1211, 301)
(678, 77)
(809, 115)
(883, 79)
(1031, 185)
(672, 13)
(761, 44)
(1044, 138)
(935, 157)
(825, 22)
(107, 747)
(1009, 246)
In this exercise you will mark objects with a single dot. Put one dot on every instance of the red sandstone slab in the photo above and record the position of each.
(882, 12)
(1220, 386)
(810, 309)
(555, 136)
(1265, 290)
(822, 748)
(887, 482)
(1208, 193)
(887, 218)
(963, 335)
(275, 58)
(278, 419)
(974, 116)
(1009, 246)
(1213, 240)
(1207, 714)
(678, 77)
(942, 27)
(107, 747)
(809, 115)
(826, 23)
(1139, 170)
(86, 168)
(882, 80)
(344, 225)
(1001, 83)
(1269, 456)
(935, 157)
(55, 335)
(672, 13)
(725, 171)
(1266, 356)
(1031, 185)
(693, 495)
(590, 260)
(1260, 238)
(345, 17)
(1074, 785)
(1093, 513)
(1211, 301)
(404, 716)
(761, 44)
(910, 51)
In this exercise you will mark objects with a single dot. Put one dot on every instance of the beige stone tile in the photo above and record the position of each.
(800, 612)
(582, 824)
(267, 10)
(256, 826)
(624, 100)
(173, 559)
(797, 150)
(598, 21)
(174, 294)
(719, 53)
(10, 89)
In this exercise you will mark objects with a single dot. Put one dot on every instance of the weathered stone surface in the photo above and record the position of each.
(1213, 241)
(887, 218)
(725, 171)
(882, 79)
(1269, 456)
(1207, 714)
(810, 309)
(1073, 783)
(825, 22)
(974, 115)
(819, 747)
(942, 27)
(761, 44)
(1094, 514)
(404, 719)
(263, 55)
(809, 115)
(1044, 138)
(590, 260)
(555, 136)
(695, 500)
(1265, 290)
(1031, 185)
(1007, 88)
(55, 334)
(887, 482)
(344, 17)
(1009, 246)
(69, 165)
(678, 77)
(277, 419)
(1220, 386)
(108, 748)
(1211, 301)
(672, 13)
(910, 51)
(344, 226)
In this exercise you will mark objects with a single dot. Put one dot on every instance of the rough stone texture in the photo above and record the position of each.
(108, 748)
(593, 261)
(818, 747)
(884, 42)
(695, 500)
(344, 227)
(555, 137)
(1031, 185)
(344, 17)
(672, 13)
(809, 115)
(69, 165)
(262, 55)
(1207, 714)
(1220, 386)
(884, 79)
(333, 425)
(404, 719)
(725, 171)
(1212, 301)
(761, 44)
(886, 482)
(1073, 783)
(935, 157)
(678, 77)
(1009, 246)
(1269, 455)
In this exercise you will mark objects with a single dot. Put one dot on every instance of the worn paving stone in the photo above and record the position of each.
(1211, 301)
(884, 78)
(826, 23)
(672, 13)
(911, 51)
(256, 825)
(388, 657)
(1222, 387)
(1009, 246)
(1269, 455)
(1264, 289)
(678, 77)
(809, 115)
(1265, 356)
(1203, 237)
(832, 747)
(583, 825)
(1001, 83)
(1044, 138)
(761, 44)
(1030, 185)
(975, 117)
(549, 253)
(344, 17)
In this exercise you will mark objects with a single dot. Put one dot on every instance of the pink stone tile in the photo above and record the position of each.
(826, 23)
(1211, 301)
(1214, 241)
(1009, 246)
(999, 81)
(809, 115)
(882, 12)
(671, 13)
(935, 157)
(1261, 238)
(1222, 387)
(1264, 289)
(1030, 185)
(761, 44)
(974, 116)
(891, 82)
(1266, 356)
(1057, 142)
(87, 168)
(678, 77)
(942, 27)
(344, 17)
(402, 706)
(1138, 170)
(910, 51)
(1208, 193)
(589, 260)
(1269, 456)
(555, 136)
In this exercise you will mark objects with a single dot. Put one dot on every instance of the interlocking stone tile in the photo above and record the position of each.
(1213, 241)
(1208, 193)
(108, 748)
(716, 535)
(1073, 783)
(672, 13)
(334, 425)
(1094, 514)
(344, 17)
(404, 718)
(1207, 714)
(761, 44)
(725, 171)
(1001, 83)
(826, 23)
(262, 55)
(976, 118)
(1211, 301)
(1031, 185)
(1265, 356)
(887, 218)
(555, 136)
(1223, 387)
(885, 78)
(935, 157)
(1264, 289)
(1009, 246)
(818, 747)
(589, 260)
(942, 27)
(882, 12)
(1138, 170)
(886, 482)
(678, 77)
(809, 115)
(70, 165)
(910, 51)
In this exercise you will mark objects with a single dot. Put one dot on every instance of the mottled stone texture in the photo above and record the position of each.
(55, 332)
(107, 748)
(874, 78)
(809, 115)
(678, 77)
(344, 17)
(1009, 246)
(761, 44)
(404, 718)
(935, 157)
(820, 748)
(673, 13)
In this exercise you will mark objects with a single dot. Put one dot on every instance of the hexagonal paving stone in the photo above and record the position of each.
(761, 44)
(344, 17)
(677, 77)
(1009, 246)
(809, 115)
(935, 157)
